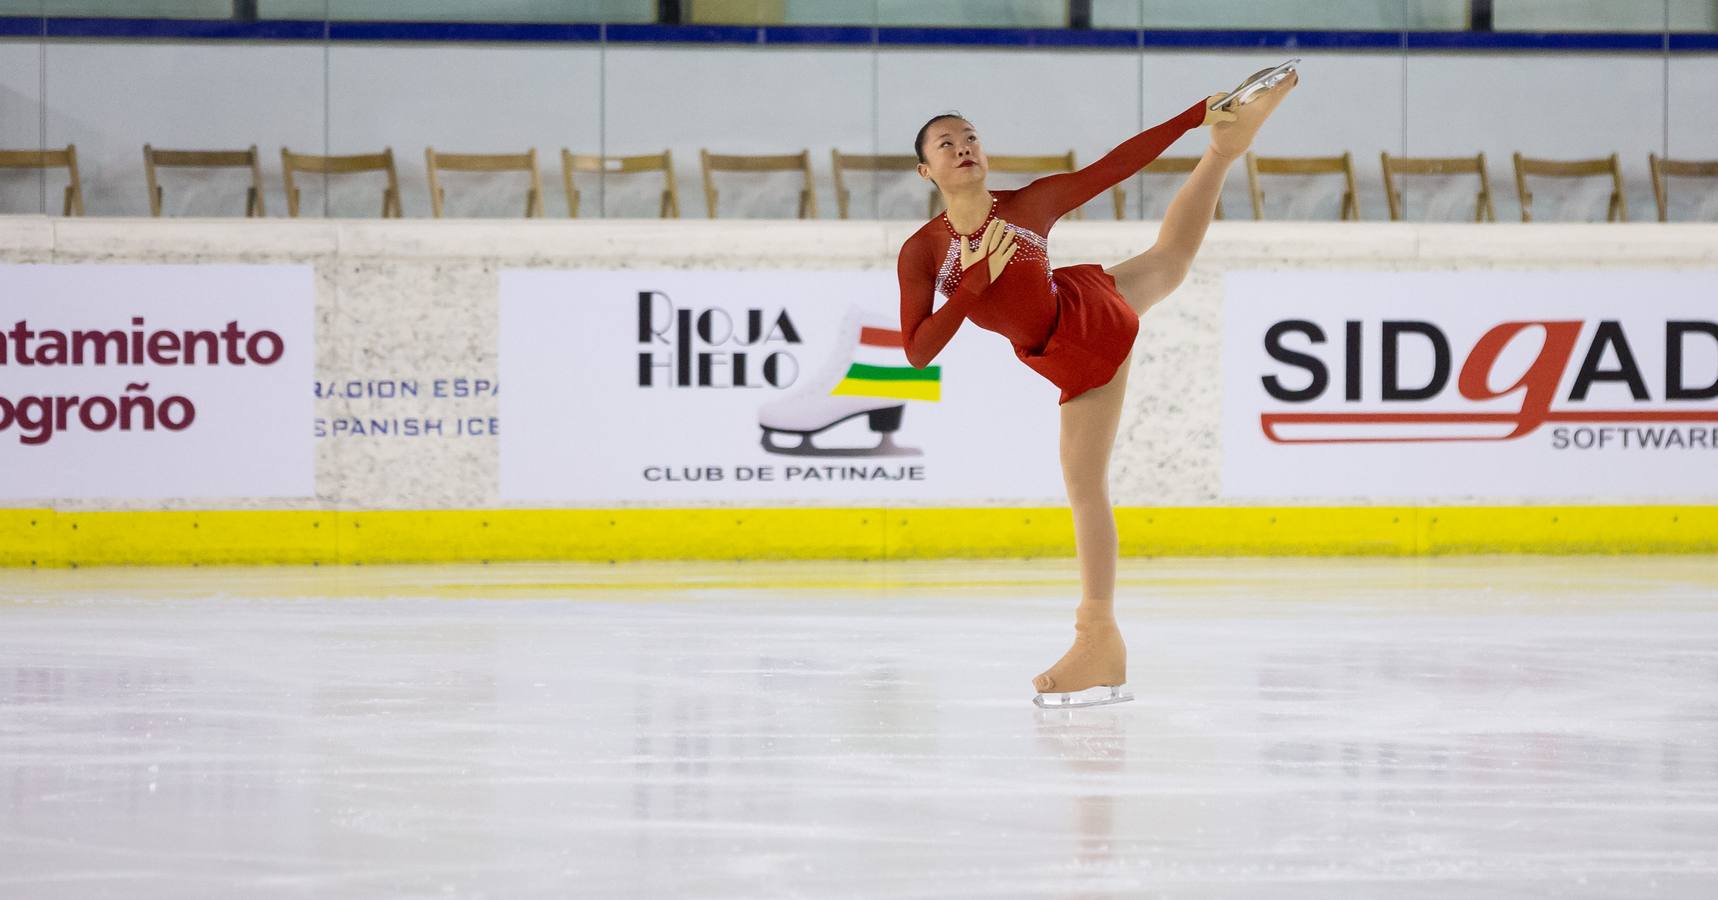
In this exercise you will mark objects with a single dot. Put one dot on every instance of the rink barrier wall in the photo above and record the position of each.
(51, 539)
(420, 299)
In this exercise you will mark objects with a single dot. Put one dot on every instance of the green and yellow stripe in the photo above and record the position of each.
(896, 382)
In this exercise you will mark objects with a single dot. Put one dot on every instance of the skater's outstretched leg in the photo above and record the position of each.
(1098, 656)
(1149, 277)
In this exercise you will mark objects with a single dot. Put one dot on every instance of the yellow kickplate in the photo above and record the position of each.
(44, 537)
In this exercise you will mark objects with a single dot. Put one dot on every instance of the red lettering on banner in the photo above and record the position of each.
(1537, 387)
(1540, 380)
(39, 418)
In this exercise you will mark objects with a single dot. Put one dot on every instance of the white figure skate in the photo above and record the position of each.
(867, 375)
(1092, 673)
(1098, 696)
(1256, 84)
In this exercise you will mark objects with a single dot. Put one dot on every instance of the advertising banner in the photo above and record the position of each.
(1486, 385)
(755, 386)
(154, 382)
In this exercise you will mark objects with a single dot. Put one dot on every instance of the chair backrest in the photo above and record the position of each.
(1033, 165)
(435, 163)
(1168, 165)
(1303, 165)
(154, 159)
(855, 162)
(51, 159)
(1616, 211)
(801, 161)
(1437, 165)
(1042, 165)
(621, 165)
(291, 163)
(1663, 169)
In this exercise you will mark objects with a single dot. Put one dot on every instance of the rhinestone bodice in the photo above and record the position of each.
(1033, 253)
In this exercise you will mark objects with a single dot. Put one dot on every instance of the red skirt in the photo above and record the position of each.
(1093, 334)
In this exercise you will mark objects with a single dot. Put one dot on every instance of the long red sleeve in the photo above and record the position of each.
(924, 333)
(1053, 196)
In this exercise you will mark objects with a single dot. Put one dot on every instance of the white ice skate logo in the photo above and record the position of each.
(867, 376)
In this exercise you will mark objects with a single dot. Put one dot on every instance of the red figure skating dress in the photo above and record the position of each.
(1071, 324)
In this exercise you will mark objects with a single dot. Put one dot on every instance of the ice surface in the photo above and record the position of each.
(1301, 729)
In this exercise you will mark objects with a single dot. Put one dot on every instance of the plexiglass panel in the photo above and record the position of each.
(462, 10)
(131, 9)
(1555, 81)
(1554, 105)
(1692, 137)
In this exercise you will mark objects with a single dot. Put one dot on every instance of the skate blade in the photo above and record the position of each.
(1102, 695)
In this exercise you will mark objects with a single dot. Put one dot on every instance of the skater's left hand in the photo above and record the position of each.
(997, 246)
(1233, 138)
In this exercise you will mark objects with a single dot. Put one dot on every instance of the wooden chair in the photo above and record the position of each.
(1167, 165)
(51, 159)
(291, 162)
(436, 163)
(1426, 165)
(154, 159)
(1616, 211)
(1662, 169)
(1303, 165)
(621, 165)
(905, 162)
(796, 162)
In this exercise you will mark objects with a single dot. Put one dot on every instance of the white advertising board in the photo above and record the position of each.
(756, 386)
(1488, 385)
(151, 382)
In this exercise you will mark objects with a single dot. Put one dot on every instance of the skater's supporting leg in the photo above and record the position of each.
(1089, 424)
(1088, 435)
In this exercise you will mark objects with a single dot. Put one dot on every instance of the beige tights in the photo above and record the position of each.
(1098, 655)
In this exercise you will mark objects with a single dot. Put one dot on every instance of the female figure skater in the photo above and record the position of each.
(1074, 325)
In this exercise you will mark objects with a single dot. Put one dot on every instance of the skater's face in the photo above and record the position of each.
(954, 157)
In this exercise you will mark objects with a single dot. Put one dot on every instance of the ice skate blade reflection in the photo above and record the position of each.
(1103, 695)
(883, 422)
(885, 447)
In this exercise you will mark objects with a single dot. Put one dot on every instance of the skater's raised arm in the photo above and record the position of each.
(1053, 196)
(925, 333)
